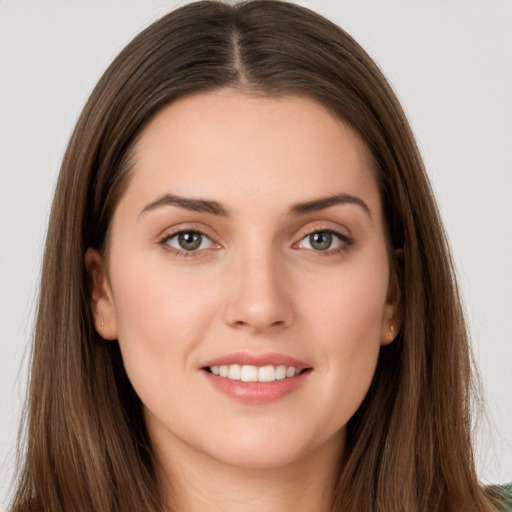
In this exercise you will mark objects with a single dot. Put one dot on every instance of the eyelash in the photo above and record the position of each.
(182, 252)
(345, 242)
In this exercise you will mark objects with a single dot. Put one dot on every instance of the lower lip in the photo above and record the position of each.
(256, 392)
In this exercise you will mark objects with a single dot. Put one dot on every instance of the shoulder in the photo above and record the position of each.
(504, 495)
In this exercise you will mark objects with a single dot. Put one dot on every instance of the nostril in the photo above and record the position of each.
(258, 306)
(255, 326)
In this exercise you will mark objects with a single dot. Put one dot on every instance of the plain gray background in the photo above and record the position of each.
(451, 65)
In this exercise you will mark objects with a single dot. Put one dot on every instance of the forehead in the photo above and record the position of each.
(230, 145)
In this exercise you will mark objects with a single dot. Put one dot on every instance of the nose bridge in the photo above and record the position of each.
(259, 298)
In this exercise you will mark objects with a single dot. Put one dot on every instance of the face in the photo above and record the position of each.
(247, 278)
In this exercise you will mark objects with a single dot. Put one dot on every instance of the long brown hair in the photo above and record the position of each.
(409, 444)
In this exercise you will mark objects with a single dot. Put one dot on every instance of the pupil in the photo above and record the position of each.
(321, 240)
(189, 241)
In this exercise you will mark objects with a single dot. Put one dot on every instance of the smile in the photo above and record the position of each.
(256, 378)
(249, 373)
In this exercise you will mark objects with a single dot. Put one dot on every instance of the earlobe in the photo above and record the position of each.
(389, 332)
(393, 317)
(391, 325)
(102, 302)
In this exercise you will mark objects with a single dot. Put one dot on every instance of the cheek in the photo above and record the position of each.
(346, 322)
(161, 313)
(162, 316)
(349, 303)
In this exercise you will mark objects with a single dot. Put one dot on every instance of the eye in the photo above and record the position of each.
(323, 241)
(188, 241)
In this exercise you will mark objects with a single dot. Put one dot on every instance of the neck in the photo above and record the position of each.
(194, 482)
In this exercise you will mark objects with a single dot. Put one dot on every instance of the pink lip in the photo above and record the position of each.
(270, 358)
(256, 393)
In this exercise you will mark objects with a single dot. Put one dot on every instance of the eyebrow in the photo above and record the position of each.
(327, 202)
(215, 208)
(195, 205)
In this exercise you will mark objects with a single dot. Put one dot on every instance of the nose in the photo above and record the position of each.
(260, 295)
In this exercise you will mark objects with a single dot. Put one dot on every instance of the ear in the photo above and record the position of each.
(102, 302)
(393, 310)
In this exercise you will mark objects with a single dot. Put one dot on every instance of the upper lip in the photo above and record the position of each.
(247, 358)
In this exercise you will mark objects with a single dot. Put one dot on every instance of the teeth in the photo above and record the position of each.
(290, 372)
(234, 372)
(266, 374)
(281, 372)
(249, 373)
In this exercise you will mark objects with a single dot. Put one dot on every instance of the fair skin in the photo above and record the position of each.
(263, 275)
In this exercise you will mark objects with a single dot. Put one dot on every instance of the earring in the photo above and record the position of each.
(102, 322)
(392, 331)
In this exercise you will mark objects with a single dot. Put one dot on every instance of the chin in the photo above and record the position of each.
(258, 457)
(271, 449)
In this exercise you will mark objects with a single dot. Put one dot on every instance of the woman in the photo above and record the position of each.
(256, 307)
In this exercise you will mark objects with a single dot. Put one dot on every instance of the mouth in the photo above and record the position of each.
(250, 373)
(256, 379)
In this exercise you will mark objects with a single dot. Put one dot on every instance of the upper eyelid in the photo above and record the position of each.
(317, 226)
(168, 236)
(325, 230)
(187, 228)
